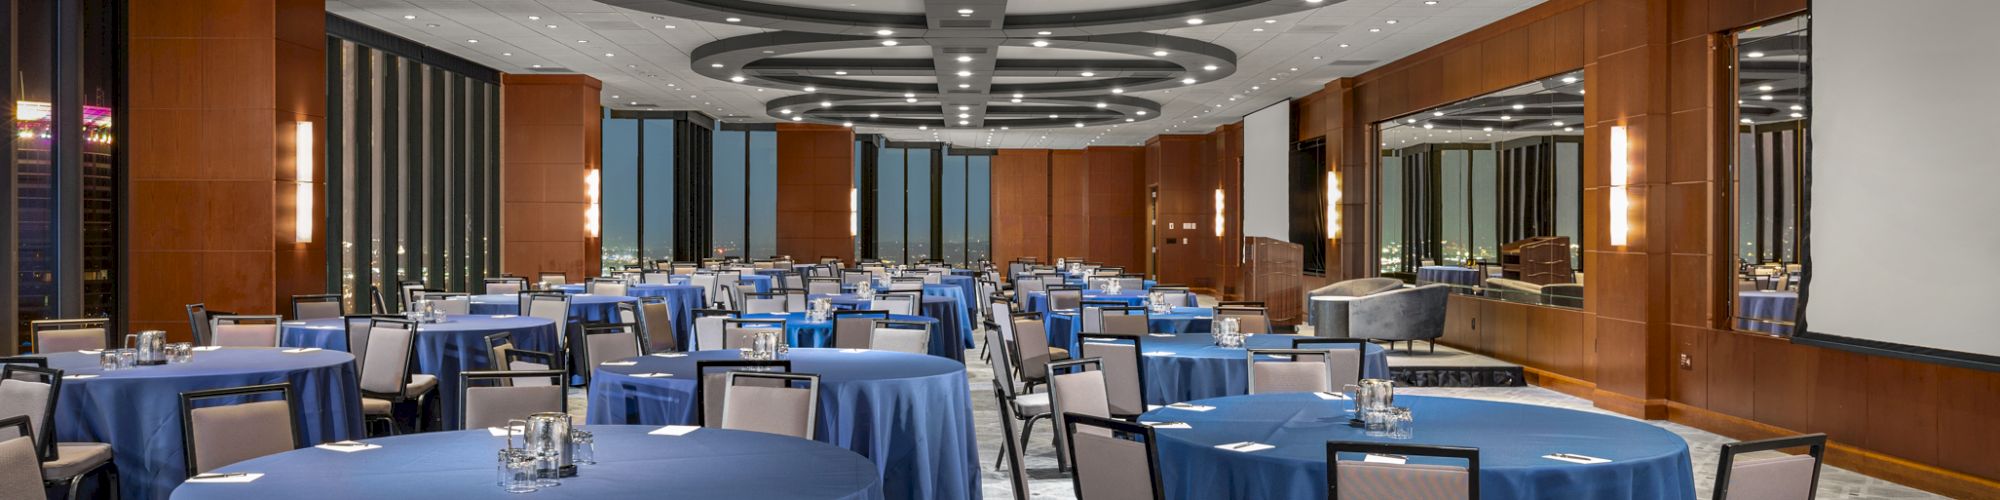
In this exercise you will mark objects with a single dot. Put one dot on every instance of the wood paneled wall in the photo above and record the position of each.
(1021, 205)
(1183, 171)
(216, 89)
(1069, 218)
(551, 136)
(815, 177)
(1117, 205)
(1070, 203)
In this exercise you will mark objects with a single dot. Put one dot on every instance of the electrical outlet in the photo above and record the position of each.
(1687, 362)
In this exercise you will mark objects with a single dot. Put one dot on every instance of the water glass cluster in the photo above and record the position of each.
(766, 346)
(819, 310)
(425, 311)
(1226, 333)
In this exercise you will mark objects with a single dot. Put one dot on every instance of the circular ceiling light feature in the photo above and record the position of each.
(1159, 53)
(1187, 81)
(963, 74)
(737, 79)
(1039, 43)
(888, 43)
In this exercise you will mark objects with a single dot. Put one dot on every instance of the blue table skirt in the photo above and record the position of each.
(682, 300)
(910, 414)
(1195, 368)
(1773, 306)
(1064, 327)
(1039, 301)
(583, 307)
(761, 282)
(707, 463)
(800, 333)
(968, 288)
(443, 349)
(137, 411)
(1647, 462)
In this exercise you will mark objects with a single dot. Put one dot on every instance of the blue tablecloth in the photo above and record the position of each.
(1039, 301)
(1194, 368)
(1647, 462)
(583, 307)
(802, 333)
(1767, 306)
(1064, 327)
(137, 411)
(910, 414)
(443, 349)
(762, 283)
(959, 310)
(707, 463)
(968, 287)
(1449, 274)
(682, 299)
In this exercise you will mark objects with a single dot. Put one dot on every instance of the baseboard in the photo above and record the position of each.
(1558, 382)
(1909, 473)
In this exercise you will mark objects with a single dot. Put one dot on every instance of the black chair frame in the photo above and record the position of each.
(1815, 445)
(284, 389)
(1335, 448)
(701, 380)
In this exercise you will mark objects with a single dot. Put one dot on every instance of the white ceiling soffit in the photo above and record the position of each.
(1272, 50)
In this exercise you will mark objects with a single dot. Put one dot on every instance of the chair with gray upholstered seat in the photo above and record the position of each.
(1124, 373)
(1356, 478)
(31, 391)
(738, 333)
(20, 468)
(912, 337)
(855, 329)
(1298, 370)
(386, 378)
(1113, 459)
(491, 398)
(1789, 477)
(69, 335)
(219, 435)
(776, 403)
(244, 330)
(1249, 319)
(1076, 387)
(711, 377)
(1031, 350)
(603, 343)
(317, 306)
(1409, 314)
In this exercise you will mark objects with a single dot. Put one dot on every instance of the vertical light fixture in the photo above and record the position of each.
(853, 212)
(1218, 212)
(302, 194)
(590, 181)
(1621, 203)
(1332, 205)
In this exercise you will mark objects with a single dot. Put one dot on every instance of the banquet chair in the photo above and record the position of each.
(602, 343)
(244, 330)
(198, 316)
(356, 329)
(1131, 283)
(1064, 298)
(1114, 317)
(503, 398)
(387, 379)
(899, 303)
(855, 329)
(1076, 387)
(453, 304)
(657, 277)
(913, 337)
(69, 335)
(1032, 353)
(28, 360)
(525, 360)
(1025, 287)
(550, 280)
(795, 297)
(855, 277)
(822, 286)
(709, 285)
(764, 303)
(790, 280)
(507, 285)
(552, 306)
(708, 386)
(906, 284)
(1248, 319)
(216, 436)
(1112, 459)
(32, 391)
(375, 303)
(605, 286)
(708, 328)
(1296, 370)
(320, 306)
(656, 322)
(685, 267)
(728, 294)
(1015, 404)
(739, 333)
(1788, 477)
(20, 469)
(1384, 480)
(1177, 296)
(1124, 374)
(771, 403)
(408, 291)
(1340, 353)
(1010, 448)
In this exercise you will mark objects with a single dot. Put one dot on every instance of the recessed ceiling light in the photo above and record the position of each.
(1569, 79)
(1766, 97)
(1052, 117)
(1257, 29)
(1437, 113)
(670, 26)
(409, 17)
(738, 79)
(1519, 106)
(468, 40)
(1080, 125)
(1210, 67)
(874, 115)
(964, 85)
(1254, 87)
(847, 124)
(840, 72)
(1045, 33)
(1294, 69)
(1039, 43)
(1100, 105)
(1754, 54)
(1017, 99)
(1187, 81)
(534, 65)
(1270, 21)
(923, 127)
(1194, 22)
(784, 111)
(826, 104)
(608, 54)
(888, 43)
(965, 11)
(1764, 88)
(431, 25)
(963, 108)
(963, 74)
(583, 41)
(1087, 73)
(911, 100)
(734, 19)
(508, 54)
(1374, 30)
(885, 32)
(1343, 46)
(1559, 124)
(1798, 115)
(1117, 91)
(964, 122)
(1746, 120)
(614, 96)
(798, 118)
(1391, 21)
(964, 115)
(715, 65)
(1506, 117)
(964, 58)
(1796, 107)
(552, 26)
(1430, 2)
(810, 88)
(1315, 58)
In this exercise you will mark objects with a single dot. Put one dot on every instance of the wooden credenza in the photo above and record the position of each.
(1273, 274)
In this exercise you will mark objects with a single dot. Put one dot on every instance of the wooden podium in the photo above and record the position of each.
(1273, 275)
(1542, 260)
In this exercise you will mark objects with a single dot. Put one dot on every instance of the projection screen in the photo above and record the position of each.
(1267, 144)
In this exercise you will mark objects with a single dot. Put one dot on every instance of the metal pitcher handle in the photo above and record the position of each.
(510, 432)
(130, 339)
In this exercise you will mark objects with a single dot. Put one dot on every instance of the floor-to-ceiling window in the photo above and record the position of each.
(618, 192)
(745, 185)
(412, 168)
(889, 167)
(647, 155)
(63, 170)
(923, 201)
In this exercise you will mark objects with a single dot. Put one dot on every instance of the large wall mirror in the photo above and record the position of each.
(1486, 194)
(1769, 167)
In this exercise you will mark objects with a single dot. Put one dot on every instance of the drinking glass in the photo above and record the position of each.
(107, 359)
(583, 447)
(1401, 424)
(127, 358)
(180, 352)
(517, 471)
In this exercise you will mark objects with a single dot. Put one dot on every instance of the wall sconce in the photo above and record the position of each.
(853, 212)
(302, 194)
(1621, 202)
(590, 181)
(1218, 212)
(1332, 205)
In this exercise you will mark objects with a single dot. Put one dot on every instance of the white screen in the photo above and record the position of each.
(1904, 178)
(1267, 145)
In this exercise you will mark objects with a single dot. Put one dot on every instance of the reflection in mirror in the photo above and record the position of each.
(1769, 169)
(1486, 194)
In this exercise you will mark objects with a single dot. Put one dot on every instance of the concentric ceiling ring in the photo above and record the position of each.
(754, 59)
(896, 112)
(1122, 20)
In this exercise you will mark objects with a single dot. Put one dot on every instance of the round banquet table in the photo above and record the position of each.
(583, 307)
(682, 300)
(1187, 367)
(968, 289)
(443, 349)
(137, 410)
(1647, 462)
(910, 414)
(706, 463)
(954, 324)
(1039, 301)
(1064, 327)
(802, 333)
(1453, 275)
(761, 282)
(1769, 306)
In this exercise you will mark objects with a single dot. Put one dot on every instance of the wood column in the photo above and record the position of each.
(551, 137)
(815, 177)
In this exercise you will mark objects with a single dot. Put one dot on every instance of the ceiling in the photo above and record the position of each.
(1265, 51)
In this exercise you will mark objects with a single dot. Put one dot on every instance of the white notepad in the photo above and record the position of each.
(226, 478)
(1331, 396)
(1190, 407)
(1575, 458)
(78, 376)
(653, 375)
(502, 431)
(674, 430)
(1384, 459)
(1158, 353)
(1167, 425)
(619, 363)
(207, 348)
(670, 354)
(348, 446)
(1159, 335)
(301, 350)
(1245, 446)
